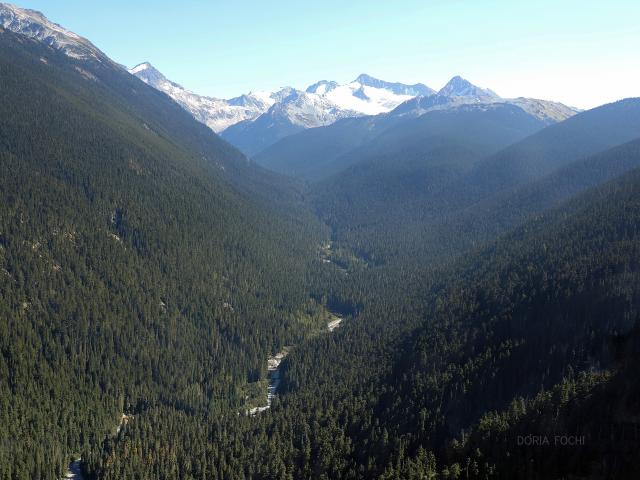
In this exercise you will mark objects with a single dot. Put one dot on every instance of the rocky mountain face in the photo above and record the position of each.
(218, 114)
(459, 87)
(35, 25)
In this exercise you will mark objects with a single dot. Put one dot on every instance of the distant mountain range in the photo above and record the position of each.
(318, 153)
(255, 121)
(320, 104)
(258, 119)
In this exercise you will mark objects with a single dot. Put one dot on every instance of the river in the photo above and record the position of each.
(74, 471)
(273, 369)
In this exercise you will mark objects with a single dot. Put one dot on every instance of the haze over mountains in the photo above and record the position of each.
(480, 255)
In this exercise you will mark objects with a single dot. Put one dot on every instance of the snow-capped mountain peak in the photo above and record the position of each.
(142, 67)
(282, 93)
(35, 25)
(152, 76)
(367, 95)
(310, 110)
(458, 92)
(459, 87)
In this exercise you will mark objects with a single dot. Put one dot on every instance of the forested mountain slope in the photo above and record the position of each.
(143, 261)
(324, 151)
(408, 164)
(407, 145)
(540, 321)
(531, 335)
(385, 210)
(538, 333)
(584, 134)
(320, 153)
(310, 154)
(497, 214)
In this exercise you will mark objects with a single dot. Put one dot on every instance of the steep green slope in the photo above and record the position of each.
(144, 263)
(479, 128)
(320, 153)
(495, 215)
(584, 134)
(542, 325)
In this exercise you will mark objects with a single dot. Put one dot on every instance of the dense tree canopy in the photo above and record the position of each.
(147, 271)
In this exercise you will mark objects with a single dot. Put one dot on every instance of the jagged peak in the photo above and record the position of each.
(460, 87)
(148, 72)
(141, 67)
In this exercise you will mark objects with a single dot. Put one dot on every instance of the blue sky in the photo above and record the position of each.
(583, 53)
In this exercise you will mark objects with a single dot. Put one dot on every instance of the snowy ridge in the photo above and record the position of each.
(35, 25)
(217, 114)
(256, 120)
(365, 95)
(309, 110)
(320, 104)
(418, 89)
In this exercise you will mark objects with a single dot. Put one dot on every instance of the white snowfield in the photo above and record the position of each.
(357, 97)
